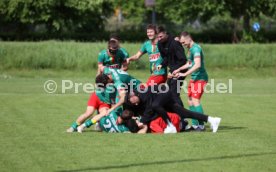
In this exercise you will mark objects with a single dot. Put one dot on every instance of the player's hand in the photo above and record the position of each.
(119, 120)
(170, 75)
(175, 72)
(128, 61)
(158, 67)
(176, 75)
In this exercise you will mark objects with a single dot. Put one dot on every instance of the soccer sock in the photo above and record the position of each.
(194, 121)
(75, 125)
(199, 109)
(89, 122)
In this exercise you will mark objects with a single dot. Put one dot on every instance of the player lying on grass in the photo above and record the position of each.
(161, 102)
(155, 59)
(100, 100)
(157, 125)
(114, 123)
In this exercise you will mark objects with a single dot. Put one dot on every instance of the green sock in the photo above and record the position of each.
(199, 109)
(75, 125)
(194, 122)
(89, 123)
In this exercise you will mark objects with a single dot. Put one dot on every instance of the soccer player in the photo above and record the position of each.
(160, 103)
(173, 57)
(113, 123)
(112, 57)
(100, 101)
(116, 38)
(107, 123)
(122, 81)
(155, 59)
(199, 76)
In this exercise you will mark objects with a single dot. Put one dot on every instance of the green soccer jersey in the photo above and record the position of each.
(122, 79)
(154, 58)
(108, 95)
(108, 124)
(124, 52)
(113, 61)
(199, 74)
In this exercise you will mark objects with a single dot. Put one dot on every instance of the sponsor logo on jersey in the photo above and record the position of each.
(114, 66)
(154, 57)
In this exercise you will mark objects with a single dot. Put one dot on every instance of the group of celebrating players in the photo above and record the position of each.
(125, 104)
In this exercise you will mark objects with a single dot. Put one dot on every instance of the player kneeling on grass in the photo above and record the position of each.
(100, 101)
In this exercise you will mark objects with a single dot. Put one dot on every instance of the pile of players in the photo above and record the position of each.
(125, 104)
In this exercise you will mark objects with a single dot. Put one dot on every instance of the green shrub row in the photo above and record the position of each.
(83, 56)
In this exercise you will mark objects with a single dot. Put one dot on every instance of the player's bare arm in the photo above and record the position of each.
(122, 95)
(100, 68)
(196, 66)
(185, 66)
(135, 57)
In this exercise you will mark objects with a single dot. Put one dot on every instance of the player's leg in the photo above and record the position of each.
(196, 94)
(158, 106)
(95, 119)
(89, 111)
(102, 111)
(175, 87)
(175, 120)
(92, 105)
(184, 113)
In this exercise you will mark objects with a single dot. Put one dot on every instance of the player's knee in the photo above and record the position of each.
(196, 102)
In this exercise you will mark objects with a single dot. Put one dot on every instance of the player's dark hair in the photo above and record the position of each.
(184, 34)
(132, 125)
(161, 29)
(127, 114)
(114, 36)
(152, 27)
(101, 80)
(113, 44)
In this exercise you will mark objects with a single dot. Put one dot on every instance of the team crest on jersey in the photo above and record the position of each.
(112, 59)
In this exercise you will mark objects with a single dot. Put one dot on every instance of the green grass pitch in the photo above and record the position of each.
(33, 125)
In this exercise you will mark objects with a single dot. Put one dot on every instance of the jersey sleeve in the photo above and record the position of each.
(101, 57)
(125, 53)
(120, 85)
(197, 52)
(143, 48)
(107, 70)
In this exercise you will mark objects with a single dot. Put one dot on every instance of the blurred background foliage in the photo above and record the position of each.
(212, 21)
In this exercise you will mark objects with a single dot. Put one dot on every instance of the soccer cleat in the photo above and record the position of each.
(170, 129)
(215, 124)
(97, 127)
(81, 128)
(70, 130)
